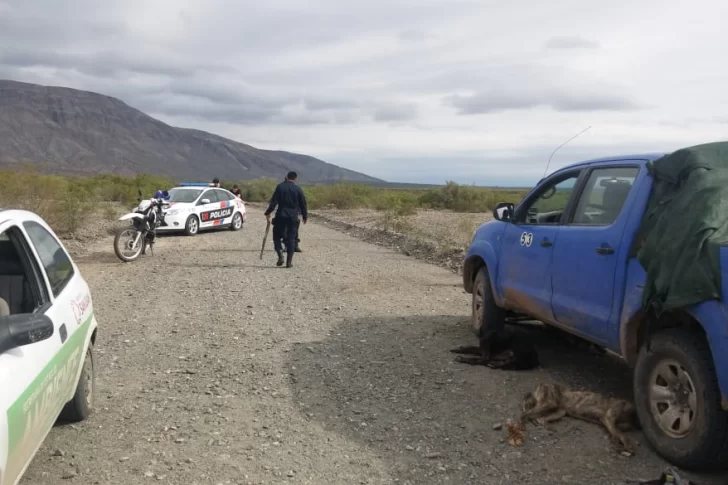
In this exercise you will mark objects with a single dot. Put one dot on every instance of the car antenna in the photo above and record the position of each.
(557, 148)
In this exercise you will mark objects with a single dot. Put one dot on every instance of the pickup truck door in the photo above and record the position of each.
(586, 261)
(524, 268)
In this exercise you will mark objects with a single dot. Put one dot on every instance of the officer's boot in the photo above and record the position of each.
(289, 259)
(280, 258)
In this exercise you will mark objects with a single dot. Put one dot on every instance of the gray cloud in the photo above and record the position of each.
(496, 100)
(571, 42)
(415, 35)
(402, 112)
(195, 77)
(334, 77)
(109, 63)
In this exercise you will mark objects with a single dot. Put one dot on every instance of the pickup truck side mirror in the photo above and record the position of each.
(503, 211)
(23, 329)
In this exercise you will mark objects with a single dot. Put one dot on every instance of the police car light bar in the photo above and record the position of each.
(195, 184)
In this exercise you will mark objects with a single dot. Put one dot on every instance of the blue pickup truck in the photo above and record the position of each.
(562, 257)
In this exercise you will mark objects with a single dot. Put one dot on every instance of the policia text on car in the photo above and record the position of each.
(291, 202)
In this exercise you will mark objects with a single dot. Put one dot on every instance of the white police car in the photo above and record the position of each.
(47, 334)
(197, 206)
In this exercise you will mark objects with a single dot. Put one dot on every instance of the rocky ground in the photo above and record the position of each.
(214, 367)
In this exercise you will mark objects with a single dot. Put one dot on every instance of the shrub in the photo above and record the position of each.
(65, 202)
(394, 222)
(258, 190)
(341, 195)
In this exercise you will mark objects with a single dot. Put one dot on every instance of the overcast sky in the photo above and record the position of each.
(406, 90)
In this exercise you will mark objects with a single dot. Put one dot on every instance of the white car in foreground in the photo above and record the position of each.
(193, 208)
(47, 333)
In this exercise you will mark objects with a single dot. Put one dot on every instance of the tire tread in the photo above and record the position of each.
(714, 450)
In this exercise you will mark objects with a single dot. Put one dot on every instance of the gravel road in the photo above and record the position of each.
(214, 367)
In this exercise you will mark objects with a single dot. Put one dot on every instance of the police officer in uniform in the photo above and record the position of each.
(298, 239)
(291, 203)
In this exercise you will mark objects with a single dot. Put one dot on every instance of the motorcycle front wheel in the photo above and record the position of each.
(129, 244)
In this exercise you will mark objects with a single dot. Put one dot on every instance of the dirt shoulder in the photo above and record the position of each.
(437, 237)
(215, 367)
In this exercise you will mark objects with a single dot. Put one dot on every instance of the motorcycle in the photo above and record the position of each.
(145, 220)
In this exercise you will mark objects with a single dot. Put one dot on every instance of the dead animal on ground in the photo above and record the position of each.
(499, 351)
(516, 433)
(551, 402)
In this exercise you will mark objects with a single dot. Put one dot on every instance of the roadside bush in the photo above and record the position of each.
(258, 190)
(341, 196)
(402, 203)
(74, 205)
(463, 198)
(125, 190)
(65, 202)
(391, 221)
(346, 196)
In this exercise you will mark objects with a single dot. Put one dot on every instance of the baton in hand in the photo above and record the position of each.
(267, 228)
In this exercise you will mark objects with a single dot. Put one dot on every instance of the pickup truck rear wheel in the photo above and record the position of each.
(485, 313)
(678, 400)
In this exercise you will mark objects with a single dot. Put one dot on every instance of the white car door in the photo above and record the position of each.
(50, 368)
(205, 211)
(23, 370)
(226, 208)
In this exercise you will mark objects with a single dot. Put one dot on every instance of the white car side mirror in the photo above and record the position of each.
(205, 201)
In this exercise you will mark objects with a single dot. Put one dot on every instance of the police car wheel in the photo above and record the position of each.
(80, 406)
(237, 222)
(192, 226)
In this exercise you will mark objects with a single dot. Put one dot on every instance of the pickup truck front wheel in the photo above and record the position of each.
(485, 313)
(678, 400)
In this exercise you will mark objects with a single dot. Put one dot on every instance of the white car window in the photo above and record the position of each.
(210, 195)
(223, 195)
(21, 286)
(183, 195)
(54, 259)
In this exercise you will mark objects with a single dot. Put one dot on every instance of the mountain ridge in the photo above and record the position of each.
(69, 131)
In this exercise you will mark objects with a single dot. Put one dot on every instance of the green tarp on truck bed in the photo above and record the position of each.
(683, 227)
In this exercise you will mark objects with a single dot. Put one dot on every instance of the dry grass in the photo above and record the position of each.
(441, 218)
(444, 228)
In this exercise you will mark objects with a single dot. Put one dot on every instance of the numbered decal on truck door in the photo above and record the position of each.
(526, 239)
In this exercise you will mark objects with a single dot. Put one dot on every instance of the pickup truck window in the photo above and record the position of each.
(550, 202)
(54, 259)
(604, 195)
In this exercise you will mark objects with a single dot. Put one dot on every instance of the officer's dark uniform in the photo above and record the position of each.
(298, 239)
(291, 202)
(298, 228)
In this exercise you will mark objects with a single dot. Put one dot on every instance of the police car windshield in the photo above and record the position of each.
(184, 195)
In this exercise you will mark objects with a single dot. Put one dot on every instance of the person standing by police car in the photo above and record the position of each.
(291, 203)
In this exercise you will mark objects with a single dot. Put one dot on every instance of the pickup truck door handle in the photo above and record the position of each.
(605, 250)
(546, 243)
